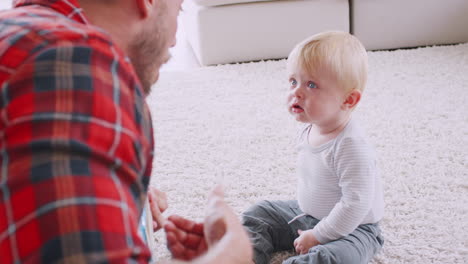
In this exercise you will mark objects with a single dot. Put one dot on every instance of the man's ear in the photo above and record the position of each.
(352, 99)
(145, 7)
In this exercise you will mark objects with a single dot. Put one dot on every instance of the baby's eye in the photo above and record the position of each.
(293, 82)
(311, 85)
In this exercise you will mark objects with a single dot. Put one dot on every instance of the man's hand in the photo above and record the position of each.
(227, 240)
(220, 239)
(305, 241)
(158, 204)
(185, 238)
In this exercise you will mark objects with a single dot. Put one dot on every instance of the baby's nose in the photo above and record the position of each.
(297, 92)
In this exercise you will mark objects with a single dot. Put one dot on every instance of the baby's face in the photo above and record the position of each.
(314, 98)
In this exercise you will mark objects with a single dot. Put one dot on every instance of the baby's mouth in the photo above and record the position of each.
(296, 108)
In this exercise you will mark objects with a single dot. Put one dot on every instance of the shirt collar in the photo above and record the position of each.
(69, 8)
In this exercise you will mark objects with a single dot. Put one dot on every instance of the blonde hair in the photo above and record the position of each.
(338, 53)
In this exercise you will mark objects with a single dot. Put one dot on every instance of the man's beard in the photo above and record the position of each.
(149, 52)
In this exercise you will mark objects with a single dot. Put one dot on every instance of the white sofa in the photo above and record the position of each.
(391, 24)
(220, 31)
(229, 31)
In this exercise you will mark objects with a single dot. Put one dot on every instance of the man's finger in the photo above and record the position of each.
(171, 238)
(218, 190)
(177, 251)
(189, 240)
(192, 241)
(162, 200)
(159, 197)
(180, 234)
(190, 254)
(202, 247)
(216, 230)
(155, 211)
(186, 225)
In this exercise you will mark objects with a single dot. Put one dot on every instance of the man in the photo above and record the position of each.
(76, 140)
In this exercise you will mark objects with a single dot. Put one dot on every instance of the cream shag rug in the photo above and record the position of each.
(229, 123)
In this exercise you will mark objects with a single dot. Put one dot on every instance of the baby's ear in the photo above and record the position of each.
(352, 99)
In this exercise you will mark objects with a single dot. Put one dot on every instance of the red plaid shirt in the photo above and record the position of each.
(75, 140)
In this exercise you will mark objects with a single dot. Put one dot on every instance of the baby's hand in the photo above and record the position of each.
(305, 241)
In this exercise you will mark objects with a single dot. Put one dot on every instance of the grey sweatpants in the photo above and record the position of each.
(267, 225)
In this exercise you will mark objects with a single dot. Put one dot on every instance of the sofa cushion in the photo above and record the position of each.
(225, 2)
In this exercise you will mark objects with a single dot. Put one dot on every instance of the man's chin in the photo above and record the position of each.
(156, 78)
(157, 72)
(167, 58)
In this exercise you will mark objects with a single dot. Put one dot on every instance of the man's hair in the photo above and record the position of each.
(338, 53)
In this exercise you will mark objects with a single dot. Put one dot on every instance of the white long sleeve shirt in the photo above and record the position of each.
(339, 184)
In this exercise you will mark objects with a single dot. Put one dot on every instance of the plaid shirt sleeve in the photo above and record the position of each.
(76, 151)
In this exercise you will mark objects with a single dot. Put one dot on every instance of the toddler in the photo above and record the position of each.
(339, 195)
